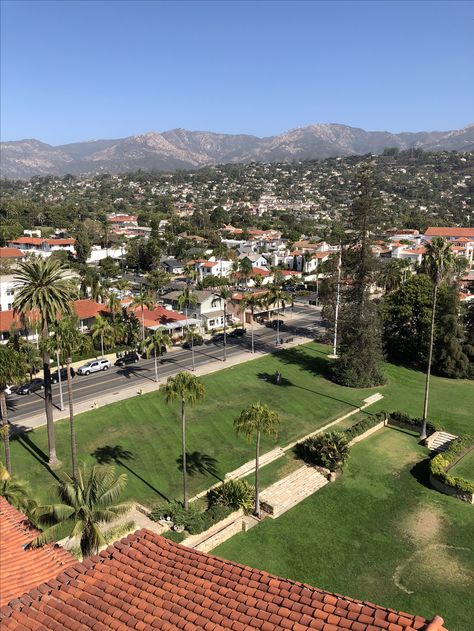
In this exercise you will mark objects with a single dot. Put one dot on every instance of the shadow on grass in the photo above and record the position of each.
(421, 473)
(272, 379)
(197, 462)
(117, 454)
(21, 436)
(316, 364)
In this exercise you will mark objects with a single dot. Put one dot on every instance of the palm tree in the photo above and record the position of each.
(84, 506)
(15, 491)
(393, 274)
(122, 284)
(42, 289)
(188, 389)
(224, 293)
(252, 302)
(186, 300)
(157, 342)
(245, 270)
(103, 329)
(113, 302)
(69, 340)
(255, 420)
(437, 262)
(12, 370)
(143, 299)
(90, 286)
(277, 296)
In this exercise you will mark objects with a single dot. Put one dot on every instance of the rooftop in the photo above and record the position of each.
(145, 581)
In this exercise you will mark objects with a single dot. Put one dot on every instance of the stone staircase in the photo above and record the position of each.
(249, 467)
(286, 493)
(439, 441)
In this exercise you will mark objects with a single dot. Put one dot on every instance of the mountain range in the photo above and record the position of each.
(182, 149)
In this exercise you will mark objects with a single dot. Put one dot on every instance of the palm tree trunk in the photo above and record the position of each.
(48, 401)
(192, 350)
(428, 369)
(253, 343)
(72, 427)
(225, 330)
(278, 323)
(5, 431)
(102, 343)
(143, 323)
(156, 366)
(257, 476)
(61, 400)
(183, 447)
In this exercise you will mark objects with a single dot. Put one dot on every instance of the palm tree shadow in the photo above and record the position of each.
(119, 455)
(197, 462)
(20, 434)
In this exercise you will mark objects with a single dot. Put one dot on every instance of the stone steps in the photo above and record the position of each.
(286, 493)
(440, 441)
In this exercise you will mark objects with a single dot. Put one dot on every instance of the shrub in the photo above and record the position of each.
(362, 426)
(193, 520)
(400, 418)
(439, 465)
(329, 450)
(234, 494)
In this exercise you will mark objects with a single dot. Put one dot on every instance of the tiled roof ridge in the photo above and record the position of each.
(118, 550)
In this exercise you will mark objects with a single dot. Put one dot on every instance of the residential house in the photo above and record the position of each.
(209, 310)
(12, 255)
(212, 267)
(172, 266)
(257, 260)
(41, 246)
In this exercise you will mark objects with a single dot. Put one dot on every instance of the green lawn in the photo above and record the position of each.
(465, 467)
(377, 526)
(142, 434)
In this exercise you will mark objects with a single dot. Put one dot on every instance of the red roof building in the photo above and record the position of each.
(450, 233)
(22, 569)
(147, 582)
(11, 253)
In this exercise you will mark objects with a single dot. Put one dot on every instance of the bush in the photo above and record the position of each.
(400, 418)
(440, 463)
(329, 450)
(234, 494)
(362, 426)
(193, 520)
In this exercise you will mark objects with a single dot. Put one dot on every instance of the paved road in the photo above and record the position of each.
(304, 321)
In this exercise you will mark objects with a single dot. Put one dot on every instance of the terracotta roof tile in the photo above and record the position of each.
(145, 581)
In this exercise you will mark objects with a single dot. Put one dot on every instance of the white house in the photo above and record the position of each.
(212, 267)
(42, 246)
(209, 308)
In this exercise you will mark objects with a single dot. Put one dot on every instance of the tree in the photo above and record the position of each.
(188, 389)
(253, 421)
(449, 356)
(437, 261)
(44, 290)
(276, 296)
(12, 371)
(393, 274)
(113, 302)
(223, 294)
(69, 340)
(83, 245)
(245, 270)
(186, 300)
(253, 302)
(84, 506)
(143, 299)
(103, 329)
(157, 342)
(15, 491)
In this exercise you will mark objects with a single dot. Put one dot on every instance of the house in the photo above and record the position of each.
(147, 582)
(164, 318)
(172, 266)
(211, 267)
(209, 309)
(23, 569)
(122, 220)
(7, 291)
(11, 254)
(257, 260)
(41, 246)
(451, 234)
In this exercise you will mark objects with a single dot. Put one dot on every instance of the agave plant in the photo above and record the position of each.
(234, 494)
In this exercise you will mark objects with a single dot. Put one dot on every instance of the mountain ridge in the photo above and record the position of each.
(184, 149)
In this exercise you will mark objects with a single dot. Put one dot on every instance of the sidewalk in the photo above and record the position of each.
(143, 388)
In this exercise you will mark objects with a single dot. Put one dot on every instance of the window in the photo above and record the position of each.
(10, 306)
(10, 291)
(211, 322)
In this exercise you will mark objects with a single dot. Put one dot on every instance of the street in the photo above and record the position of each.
(302, 321)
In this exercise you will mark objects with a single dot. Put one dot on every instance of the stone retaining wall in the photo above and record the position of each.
(216, 534)
(368, 433)
(449, 490)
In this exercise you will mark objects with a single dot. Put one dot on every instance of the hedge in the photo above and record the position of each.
(363, 426)
(400, 418)
(440, 463)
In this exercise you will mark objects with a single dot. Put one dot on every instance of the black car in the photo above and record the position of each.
(31, 386)
(273, 324)
(198, 341)
(218, 337)
(55, 375)
(161, 351)
(238, 332)
(129, 358)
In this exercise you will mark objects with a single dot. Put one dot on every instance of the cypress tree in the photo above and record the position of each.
(450, 360)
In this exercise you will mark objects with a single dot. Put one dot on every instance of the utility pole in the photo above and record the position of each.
(338, 296)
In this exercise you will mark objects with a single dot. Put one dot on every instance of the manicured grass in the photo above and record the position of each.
(465, 467)
(376, 526)
(142, 434)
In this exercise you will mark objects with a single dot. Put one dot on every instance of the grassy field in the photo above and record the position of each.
(465, 467)
(142, 435)
(378, 533)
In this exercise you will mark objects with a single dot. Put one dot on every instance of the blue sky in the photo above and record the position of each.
(86, 70)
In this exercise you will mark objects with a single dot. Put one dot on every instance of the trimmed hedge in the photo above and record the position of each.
(400, 418)
(363, 426)
(439, 465)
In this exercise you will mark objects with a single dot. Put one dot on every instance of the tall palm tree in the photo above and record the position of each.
(255, 420)
(223, 294)
(186, 300)
(253, 302)
(245, 270)
(43, 289)
(84, 506)
(12, 370)
(143, 299)
(188, 389)
(90, 286)
(157, 342)
(276, 296)
(437, 262)
(69, 340)
(103, 329)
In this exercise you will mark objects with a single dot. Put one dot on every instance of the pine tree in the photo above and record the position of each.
(360, 350)
(450, 360)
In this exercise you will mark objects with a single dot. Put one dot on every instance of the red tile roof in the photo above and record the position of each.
(20, 569)
(84, 309)
(11, 253)
(39, 241)
(145, 581)
(158, 315)
(450, 232)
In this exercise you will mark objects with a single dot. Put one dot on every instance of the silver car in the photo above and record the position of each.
(95, 365)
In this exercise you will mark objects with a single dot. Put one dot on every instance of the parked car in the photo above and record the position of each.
(162, 351)
(276, 323)
(238, 332)
(95, 365)
(218, 337)
(55, 375)
(198, 341)
(10, 389)
(128, 358)
(30, 386)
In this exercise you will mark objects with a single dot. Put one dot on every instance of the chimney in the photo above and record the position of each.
(436, 624)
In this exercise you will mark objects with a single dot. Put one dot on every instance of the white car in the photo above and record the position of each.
(10, 390)
(95, 365)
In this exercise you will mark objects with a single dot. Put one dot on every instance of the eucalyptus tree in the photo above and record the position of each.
(187, 389)
(42, 289)
(156, 343)
(254, 421)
